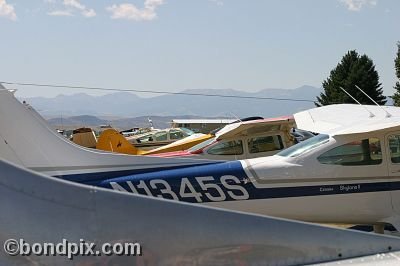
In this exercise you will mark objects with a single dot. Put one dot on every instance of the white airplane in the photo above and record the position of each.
(41, 209)
(347, 174)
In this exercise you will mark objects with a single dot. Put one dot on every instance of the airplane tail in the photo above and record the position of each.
(28, 140)
(84, 137)
(112, 140)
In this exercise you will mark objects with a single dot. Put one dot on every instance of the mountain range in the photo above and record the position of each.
(126, 104)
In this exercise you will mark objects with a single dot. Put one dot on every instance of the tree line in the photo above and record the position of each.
(357, 70)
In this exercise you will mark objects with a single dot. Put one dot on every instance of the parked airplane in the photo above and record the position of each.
(41, 209)
(245, 140)
(347, 174)
(84, 136)
(112, 140)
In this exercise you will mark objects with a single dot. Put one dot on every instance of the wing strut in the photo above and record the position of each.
(387, 113)
(370, 113)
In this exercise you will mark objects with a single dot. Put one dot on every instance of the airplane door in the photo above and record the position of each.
(393, 161)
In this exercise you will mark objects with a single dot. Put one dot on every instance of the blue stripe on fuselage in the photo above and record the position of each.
(227, 176)
(174, 179)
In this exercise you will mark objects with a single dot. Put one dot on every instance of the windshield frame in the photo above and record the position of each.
(187, 131)
(305, 146)
(202, 145)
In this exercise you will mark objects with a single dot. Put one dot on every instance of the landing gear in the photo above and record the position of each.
(381, 228)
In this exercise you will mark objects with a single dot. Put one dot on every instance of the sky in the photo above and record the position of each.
(175, 45)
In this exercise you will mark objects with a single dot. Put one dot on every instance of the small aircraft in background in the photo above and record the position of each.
(244, 140)
(85, 137)
(114, 141)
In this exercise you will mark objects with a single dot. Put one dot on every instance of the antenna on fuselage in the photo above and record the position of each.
(370, 113)
(387, 113)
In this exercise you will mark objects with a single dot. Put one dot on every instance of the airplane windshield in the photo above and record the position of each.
(187, 131)
(304, 146)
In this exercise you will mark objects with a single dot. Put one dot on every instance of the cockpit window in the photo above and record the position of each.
(160, 136)
(362, 152)
(304, 146)
(176, 134)
(265, 144)
(233, 147)
(187, 132)
(394, 147)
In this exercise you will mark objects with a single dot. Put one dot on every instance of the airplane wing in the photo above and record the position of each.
(182, 144)
(338, 119)
(254, 126)
(39, 209)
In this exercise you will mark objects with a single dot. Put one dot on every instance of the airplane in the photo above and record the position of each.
(42, 209)
(84, 136)
(349, 173)
(309, 181)
(244, 140)
(114, 141)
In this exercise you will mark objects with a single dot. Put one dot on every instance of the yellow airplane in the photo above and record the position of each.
(112, 140)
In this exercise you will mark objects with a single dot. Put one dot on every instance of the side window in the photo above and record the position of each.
(233, 147)
(363, 152)
(394, 147)
(145, 138)
(175, 134)
(160, 136)
(265, 144)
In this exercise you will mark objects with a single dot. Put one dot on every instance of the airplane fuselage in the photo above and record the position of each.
(327, 179)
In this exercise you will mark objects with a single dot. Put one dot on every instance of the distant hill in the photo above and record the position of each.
(82, 120)
(125, 104)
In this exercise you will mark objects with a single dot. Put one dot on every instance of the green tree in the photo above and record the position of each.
(352, 70)
(396, 95)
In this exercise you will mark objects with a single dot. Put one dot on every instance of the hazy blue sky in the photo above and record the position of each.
(175, 45)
